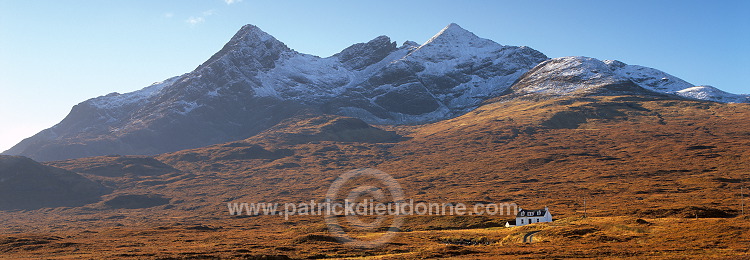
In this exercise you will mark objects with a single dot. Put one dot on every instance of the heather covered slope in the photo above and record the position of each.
(645, 152)
(659, 159)
(116, 166)
(629, 156)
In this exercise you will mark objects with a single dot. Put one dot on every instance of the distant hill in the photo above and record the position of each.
(26, 184)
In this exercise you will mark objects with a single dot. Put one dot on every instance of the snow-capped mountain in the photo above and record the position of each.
(447, 76)
(577, 75)
(659, 81)
(255, 81)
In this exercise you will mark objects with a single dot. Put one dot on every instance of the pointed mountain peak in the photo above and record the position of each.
(250, 34)
(453, 42)
(454, 27)
(250, 41)
(453, 33)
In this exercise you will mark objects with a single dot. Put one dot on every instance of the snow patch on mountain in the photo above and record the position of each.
(184, 107)
(455, 68)
(302, 76)
(568, 75)
(455, 40)
(649, 78)
(480, 68)
(713, 94)
(662, 82)
(116, 100)
(453, 46)
(583, 75)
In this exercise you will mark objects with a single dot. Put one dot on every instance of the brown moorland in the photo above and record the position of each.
(661, 179)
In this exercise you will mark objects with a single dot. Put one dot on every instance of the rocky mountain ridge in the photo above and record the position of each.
(256, 81)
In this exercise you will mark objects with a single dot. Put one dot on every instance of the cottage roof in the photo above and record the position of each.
(531, 212)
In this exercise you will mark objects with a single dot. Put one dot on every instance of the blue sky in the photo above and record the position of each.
(55, 54)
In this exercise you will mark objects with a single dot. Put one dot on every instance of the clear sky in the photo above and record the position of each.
(55, 54)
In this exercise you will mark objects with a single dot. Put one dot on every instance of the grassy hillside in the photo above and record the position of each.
(647, 168)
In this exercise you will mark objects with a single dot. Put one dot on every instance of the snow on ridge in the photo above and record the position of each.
(566, 75)
(116, 100)
(251, 32)
(662, 82)
(305, 75)
(713, 94)
(584, 67)
(453, 33)
(649, 78)
(313, 79)
(262, 35)
(309, 78)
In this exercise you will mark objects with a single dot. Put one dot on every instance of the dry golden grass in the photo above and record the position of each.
(595, 237)
(662, 161)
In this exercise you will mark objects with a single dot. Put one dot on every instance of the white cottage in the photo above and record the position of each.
(525, 217)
